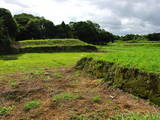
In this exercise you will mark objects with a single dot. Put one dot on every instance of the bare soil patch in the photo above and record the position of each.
(65, 94)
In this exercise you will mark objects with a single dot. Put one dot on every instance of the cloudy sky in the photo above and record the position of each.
(117, 16)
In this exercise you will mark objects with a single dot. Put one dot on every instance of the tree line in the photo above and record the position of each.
(136, 37)
(33, 27)
(26, 26)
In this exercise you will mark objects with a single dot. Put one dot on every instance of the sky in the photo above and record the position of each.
(120, 17)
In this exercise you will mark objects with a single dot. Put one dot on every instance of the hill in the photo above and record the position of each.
(55, 45)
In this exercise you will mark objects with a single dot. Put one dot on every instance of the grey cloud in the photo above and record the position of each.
(145, 11)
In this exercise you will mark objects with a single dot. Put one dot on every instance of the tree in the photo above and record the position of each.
(85, 31)
(105, 37)
(33, 27)
(8, 29)
(63, 31)
(90, 32)
(154, 36)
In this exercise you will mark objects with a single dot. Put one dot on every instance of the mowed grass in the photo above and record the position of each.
(145, 58)
(31, 62)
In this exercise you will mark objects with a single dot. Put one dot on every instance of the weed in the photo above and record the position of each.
(96, 99)
(79, 97)
(77, 74)
(62, 96)
(30, 105)
(13, 83)
(58, 75)
(100, 81)
(79, 117)
(5, 110)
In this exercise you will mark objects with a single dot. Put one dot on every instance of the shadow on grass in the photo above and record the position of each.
(10, 57)
(56, 49)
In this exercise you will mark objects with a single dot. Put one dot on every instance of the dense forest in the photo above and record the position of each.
(26, 26)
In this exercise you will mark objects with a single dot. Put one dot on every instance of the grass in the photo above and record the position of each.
(52, 42)
(36, 62)
(62, 96)
(58, 75)
(140, 57)
(136, 116)
(32, 104)
(96, 99)
(13, 83)
(5, 110)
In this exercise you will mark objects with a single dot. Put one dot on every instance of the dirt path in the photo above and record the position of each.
(65, 94)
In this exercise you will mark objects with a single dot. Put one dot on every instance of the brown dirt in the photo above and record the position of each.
(44, 85)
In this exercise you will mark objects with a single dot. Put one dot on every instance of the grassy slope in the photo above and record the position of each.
(145, 58)
(52, 42)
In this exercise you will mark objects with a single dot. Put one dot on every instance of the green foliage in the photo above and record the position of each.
(13, 83)
(132, 38)
(79, 117)
(63, 31)
(58, 75)
(8, 30)
(32, 104)
(154, 37)
(6, 110)
(62, 96)
(33, 27)
(90, 32)
(136, 116)
(96, 99)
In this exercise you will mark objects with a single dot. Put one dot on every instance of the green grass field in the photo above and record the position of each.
(37, 61)
(145, 58)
